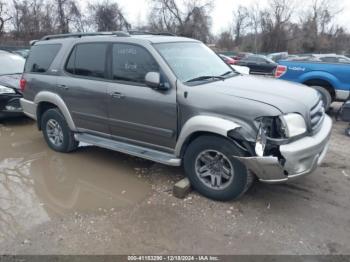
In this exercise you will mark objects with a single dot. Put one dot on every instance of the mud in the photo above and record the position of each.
(37, 184)
(95, 201)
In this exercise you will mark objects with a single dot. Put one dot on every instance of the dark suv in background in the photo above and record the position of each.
(174, 101)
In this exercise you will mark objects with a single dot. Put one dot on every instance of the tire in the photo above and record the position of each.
(233, 184)
(54, 126)
(326, 96)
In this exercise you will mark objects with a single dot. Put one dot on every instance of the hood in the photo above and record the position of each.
(287, 97)
(11, 80)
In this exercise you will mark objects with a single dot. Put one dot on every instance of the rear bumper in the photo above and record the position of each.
(301, 157)
(29, 108)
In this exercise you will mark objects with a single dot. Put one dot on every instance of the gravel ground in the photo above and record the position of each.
(96, 201)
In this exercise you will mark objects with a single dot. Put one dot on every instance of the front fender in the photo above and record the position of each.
(210, 124)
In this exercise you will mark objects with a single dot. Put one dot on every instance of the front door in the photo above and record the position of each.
(137, 112)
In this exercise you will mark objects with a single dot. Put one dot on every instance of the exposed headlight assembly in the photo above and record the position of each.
(260, 142)
(6, 90)
(293, 125)
(277, 130)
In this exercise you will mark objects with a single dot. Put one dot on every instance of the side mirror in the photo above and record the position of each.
(152, 79)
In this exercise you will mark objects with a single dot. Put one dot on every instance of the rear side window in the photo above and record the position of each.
(41, 57)
(131, 63)
(88, 60)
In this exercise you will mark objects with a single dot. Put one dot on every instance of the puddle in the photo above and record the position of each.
(37, 183)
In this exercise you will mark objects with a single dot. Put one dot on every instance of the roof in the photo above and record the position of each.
(112, 36)
(164, 39)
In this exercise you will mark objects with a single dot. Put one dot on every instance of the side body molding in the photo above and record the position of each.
(204, 123)
(55, 99)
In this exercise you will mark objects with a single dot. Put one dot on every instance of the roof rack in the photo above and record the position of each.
(136, 32)
(78, 35)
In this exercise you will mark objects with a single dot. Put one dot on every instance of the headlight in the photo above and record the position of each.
(6, 90)
(260, 142)
(293, 125)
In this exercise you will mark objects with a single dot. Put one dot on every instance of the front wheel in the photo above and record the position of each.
(214, 171)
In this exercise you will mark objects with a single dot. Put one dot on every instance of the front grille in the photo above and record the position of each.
(317, 115)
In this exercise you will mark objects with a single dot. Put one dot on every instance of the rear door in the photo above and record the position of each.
(138, 112)
(83, 86)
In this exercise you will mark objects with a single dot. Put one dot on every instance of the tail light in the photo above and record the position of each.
(230, 61)
(280, 71)
(22, 84)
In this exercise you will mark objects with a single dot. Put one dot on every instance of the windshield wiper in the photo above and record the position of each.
(202, 78)
(227, 73)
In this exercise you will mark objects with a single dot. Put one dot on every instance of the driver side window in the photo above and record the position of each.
(131, 63)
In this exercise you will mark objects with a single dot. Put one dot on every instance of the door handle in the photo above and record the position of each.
(63, 87)
(117, 95)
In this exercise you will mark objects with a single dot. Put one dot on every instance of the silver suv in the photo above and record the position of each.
(174, 101)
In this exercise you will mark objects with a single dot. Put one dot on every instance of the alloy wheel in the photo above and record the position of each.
(214, 169)
(54, 132)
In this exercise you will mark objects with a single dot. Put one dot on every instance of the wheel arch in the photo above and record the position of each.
(46, 100)
(203, 125)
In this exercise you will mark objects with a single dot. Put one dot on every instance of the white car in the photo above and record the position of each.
(244, 70)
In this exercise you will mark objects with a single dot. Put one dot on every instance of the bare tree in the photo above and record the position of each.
(108, 16)
(48, 21)
(253, 29)
(225, 41)
(32, 19)
(240, 23)
(274, 22)
(4, 16)
(254, 23)
(27, 18)
(68, 13)
(192, 19)
(317, 25)
(62, 18)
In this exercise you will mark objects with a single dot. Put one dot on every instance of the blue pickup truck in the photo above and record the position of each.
(330, 77)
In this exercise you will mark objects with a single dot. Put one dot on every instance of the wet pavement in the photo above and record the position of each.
(95, 201)
(37, 184)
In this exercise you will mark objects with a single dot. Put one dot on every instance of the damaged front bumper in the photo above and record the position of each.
(10, 105)
(301, 157)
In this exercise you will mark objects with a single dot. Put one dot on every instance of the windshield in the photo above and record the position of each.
(192, 60)
(11, 64)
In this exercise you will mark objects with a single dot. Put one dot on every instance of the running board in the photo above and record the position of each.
(142, 152)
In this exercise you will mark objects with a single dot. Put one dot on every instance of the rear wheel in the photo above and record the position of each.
(213, 171)
(326, 96)
(56, 132)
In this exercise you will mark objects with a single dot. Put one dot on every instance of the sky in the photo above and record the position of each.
(137, 10)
